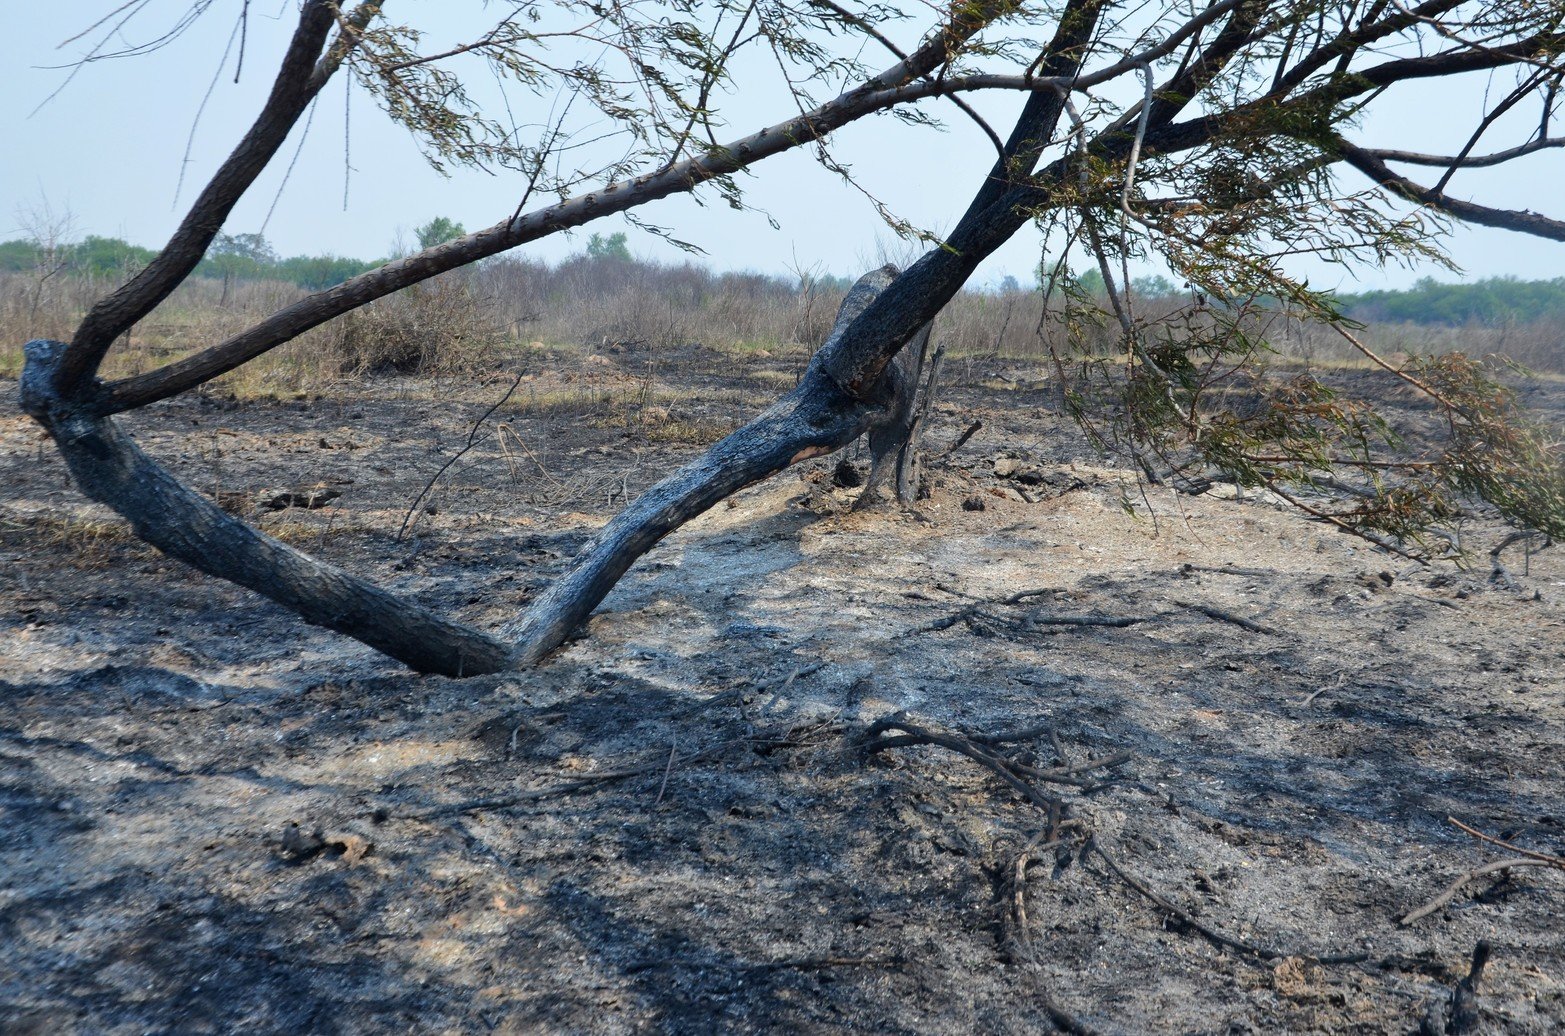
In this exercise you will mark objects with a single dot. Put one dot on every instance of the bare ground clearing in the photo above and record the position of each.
(672, 825)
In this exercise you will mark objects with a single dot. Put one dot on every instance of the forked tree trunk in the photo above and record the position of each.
(816, 418)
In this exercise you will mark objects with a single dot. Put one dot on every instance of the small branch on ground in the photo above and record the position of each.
(1227, 570)
(874, 740)
(1212, 934)
(961, 440)
(798, 963)
(1228, 617)
(1557, 861)
(1497, 867)
(774, 738)
(974, 614)
(986, 623)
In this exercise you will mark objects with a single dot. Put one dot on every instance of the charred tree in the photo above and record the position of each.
(1225, 156)
(816, 418)
(109, 467)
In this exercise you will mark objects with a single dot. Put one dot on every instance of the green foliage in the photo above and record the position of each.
(438, 231)
(108, 256)
(317, 272)
(614, 247)
(1153, 286)
(248, 257)
(242, 248)
(1498, 452)
(1091, 284)
(1496, 300)
(94, 256)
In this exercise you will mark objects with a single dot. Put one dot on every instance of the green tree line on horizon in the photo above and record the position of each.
(249, 257)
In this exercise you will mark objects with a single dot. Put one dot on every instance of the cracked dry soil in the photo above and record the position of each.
(215, 819)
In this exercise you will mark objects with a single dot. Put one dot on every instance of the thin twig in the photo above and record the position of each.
(570, 787)
(1222, 939)
(472, 440)
(1477, 872)
(961, 440)
(801, 963)
(1238, 620)
(1518, 850)
(672, 745)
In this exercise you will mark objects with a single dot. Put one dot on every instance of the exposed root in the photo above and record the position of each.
(1212, 934)
(1063, 834)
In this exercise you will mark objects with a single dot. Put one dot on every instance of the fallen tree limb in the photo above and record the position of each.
(975, 615)
(1229, 617)
(1473, 875)
(1014, 910)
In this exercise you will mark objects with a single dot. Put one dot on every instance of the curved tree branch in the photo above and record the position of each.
(1467, 161)
(185, 525)
(298, 80)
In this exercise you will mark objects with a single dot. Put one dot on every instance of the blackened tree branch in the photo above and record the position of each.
(298, 81)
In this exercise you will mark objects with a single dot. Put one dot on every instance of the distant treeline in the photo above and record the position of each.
(1497, 300)
(1493, 302)
(248, 257)
(243, 257)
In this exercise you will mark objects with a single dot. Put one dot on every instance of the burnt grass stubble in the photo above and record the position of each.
(216, 818)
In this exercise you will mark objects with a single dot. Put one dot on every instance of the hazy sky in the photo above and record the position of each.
(108, 151)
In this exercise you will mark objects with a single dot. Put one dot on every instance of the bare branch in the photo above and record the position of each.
(1468, 161)
(1522, 221)
(295, 86)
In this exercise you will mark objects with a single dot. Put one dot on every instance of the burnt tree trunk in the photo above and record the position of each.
(111, 469)
(892, 451)
(816, 418)
(910, 462)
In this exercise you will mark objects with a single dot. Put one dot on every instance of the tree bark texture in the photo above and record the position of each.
(816, 418)
(891, 432)
(109, 467)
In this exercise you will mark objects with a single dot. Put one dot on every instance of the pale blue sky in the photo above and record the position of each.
(108, 151)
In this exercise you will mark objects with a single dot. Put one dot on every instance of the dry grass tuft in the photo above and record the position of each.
(84, 543)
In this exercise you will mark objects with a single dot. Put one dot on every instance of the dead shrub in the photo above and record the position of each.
(440, 327)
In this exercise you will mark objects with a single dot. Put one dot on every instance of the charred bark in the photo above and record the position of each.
(109, 467)
(893, 461)
(816, 418)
